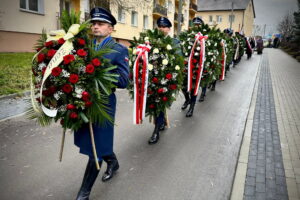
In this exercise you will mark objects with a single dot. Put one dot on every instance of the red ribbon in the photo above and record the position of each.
(191, 66)
(140, 86)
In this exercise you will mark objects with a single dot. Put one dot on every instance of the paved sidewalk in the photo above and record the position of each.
(269, 163)
(285, 73)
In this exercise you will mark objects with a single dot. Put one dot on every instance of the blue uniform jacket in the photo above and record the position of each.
(104, 134)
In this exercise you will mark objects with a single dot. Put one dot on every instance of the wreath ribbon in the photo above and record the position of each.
(140, 82)
(199, 38)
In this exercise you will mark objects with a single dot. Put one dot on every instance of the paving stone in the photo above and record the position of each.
(265, 162)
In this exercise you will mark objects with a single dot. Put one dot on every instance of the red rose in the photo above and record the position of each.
(89, 69)
(56, 71)
(151, 106)
(149, 91)
(38, 49)
(68, 59)
(131, 76)
(173, 87)
(85, 96)
(81, 52)
(88, 104)
(73, 78)
(67, 88)
(62, 121)
(73, 115)
(61, 41)
(51, 53)
(164, 99)
(70, 107)
(81, 42)
(48, 44)
(169, 76)
(96, 62)
(43, 70)
(46, 93)
(160, 90)
(195, 61)
(41, 57)
(52, 89)
(155, 80)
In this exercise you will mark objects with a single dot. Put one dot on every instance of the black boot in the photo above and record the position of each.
(112, 167)
(187, 100)
(155, 135)
(201, 97)
(191, 110)
(88, 181)
(213, 87)
(162, 127)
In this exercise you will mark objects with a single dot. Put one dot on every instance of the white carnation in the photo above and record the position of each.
(198, 48)
(156, 50)
(146, 38)
(165, 62)
(169, 47)
(65, 73)
(41, 66)
(150, 67)
(177, 67)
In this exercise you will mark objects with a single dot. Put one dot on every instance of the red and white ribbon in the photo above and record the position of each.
(248, 44)
(236, 55)
(199, 37)
(223, 62)
(140, 83)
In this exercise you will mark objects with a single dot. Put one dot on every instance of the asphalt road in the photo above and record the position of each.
(195, 159)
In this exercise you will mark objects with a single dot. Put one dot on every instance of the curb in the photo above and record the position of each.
(11, 96)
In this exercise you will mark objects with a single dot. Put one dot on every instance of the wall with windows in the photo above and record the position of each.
(29, 16)
(221, 19)
(131, 22)
(22, 21)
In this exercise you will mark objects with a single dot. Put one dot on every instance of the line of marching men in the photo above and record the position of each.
(102, 26)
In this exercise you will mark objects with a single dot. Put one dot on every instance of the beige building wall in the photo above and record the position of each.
(249, 20)
(244, 19)
(19, 29)
(125, 30)
(15, 19)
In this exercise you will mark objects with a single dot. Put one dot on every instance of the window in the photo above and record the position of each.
(170, 6)
(210, 18)
(134, 18)
(121, 15)
(219, 18)
(231, 18)
(145, 22)
(36, 6)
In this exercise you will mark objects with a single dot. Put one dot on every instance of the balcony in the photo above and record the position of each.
(193, 7)
(159, 10)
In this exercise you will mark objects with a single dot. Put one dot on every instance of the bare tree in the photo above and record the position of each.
(285, 27)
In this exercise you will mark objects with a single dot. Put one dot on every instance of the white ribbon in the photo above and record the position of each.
(139, 106)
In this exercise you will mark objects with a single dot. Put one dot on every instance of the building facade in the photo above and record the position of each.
(237, 14)
(22, 21)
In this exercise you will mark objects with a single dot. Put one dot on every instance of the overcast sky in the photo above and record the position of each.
(270, 12)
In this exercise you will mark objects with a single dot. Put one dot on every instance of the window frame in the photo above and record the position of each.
(122, 15)
(145, 28)
(219, 18)
(40, 7)
(134, 13)
(231, 17)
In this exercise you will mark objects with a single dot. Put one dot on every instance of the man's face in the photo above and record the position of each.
(164, 29)
(101, 29)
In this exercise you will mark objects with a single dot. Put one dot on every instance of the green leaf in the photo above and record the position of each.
(85, 119)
